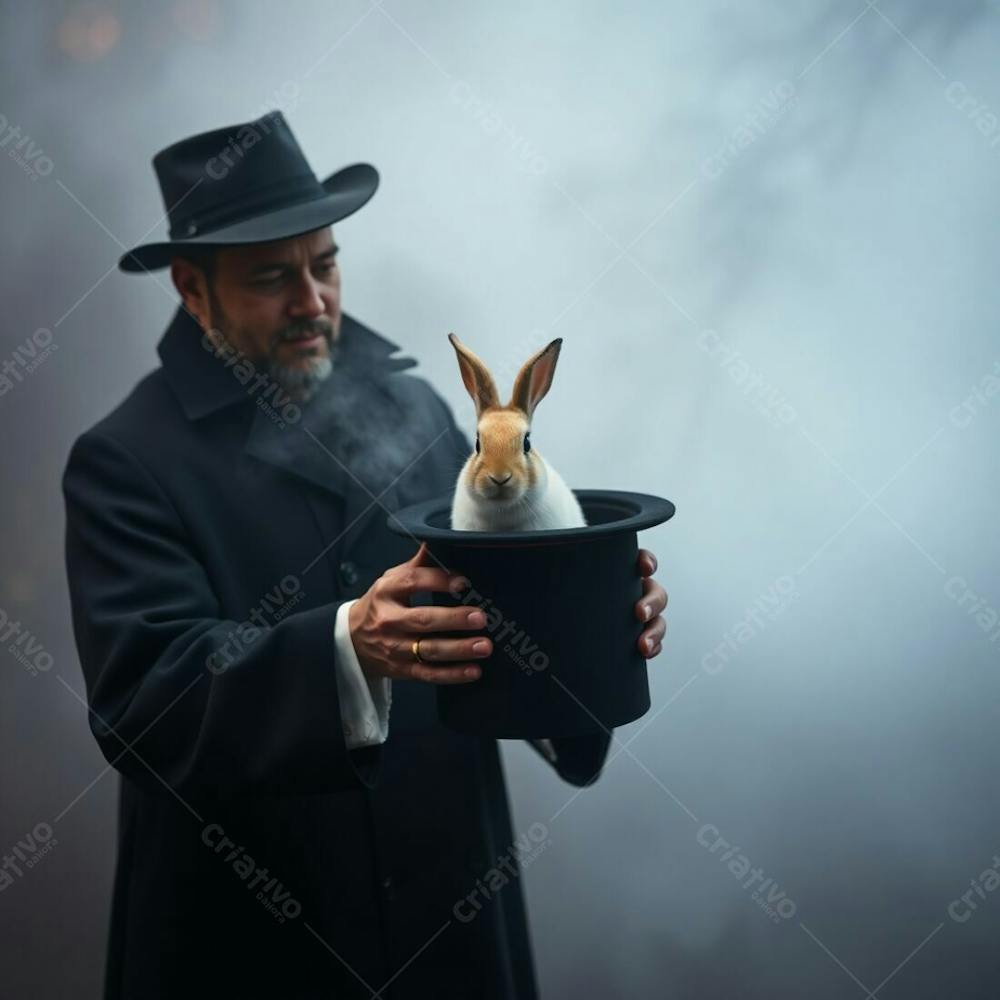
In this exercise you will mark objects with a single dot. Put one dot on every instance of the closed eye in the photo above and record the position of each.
(267, 280)
(272, 277)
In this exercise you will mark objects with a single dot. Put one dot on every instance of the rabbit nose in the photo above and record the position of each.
(500, 482)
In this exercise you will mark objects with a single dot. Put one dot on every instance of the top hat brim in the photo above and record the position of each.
(347, 190)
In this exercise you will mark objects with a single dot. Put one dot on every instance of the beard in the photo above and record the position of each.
(302, 381)
(299, 381)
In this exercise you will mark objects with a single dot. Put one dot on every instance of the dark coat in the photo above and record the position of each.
(209, 542)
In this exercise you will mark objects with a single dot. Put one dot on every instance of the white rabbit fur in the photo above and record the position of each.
(533, 496)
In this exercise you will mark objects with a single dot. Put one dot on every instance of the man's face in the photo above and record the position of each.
(279, 303)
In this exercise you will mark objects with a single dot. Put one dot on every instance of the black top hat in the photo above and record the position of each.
(246, 183)
(560, 610)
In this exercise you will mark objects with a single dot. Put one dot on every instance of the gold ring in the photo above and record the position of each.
(416, 651)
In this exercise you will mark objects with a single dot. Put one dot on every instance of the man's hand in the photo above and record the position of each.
(383, 626)
(649, 606)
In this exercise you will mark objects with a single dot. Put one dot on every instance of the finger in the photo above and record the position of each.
(423, 564)
(408, 578)
(462, 674)
(655, 651)
(646, 562)
(429, 618)
(422, 557)
(652, 602)
(649, 636)
(437, 650)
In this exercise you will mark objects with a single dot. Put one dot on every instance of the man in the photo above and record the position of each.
(241, 612)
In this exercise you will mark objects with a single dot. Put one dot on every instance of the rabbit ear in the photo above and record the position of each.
(535, 377)
(476, 376)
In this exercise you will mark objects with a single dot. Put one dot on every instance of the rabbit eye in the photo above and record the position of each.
(527, 443)
(477, 444)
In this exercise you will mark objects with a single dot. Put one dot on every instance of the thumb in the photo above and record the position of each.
(421, 557)
(424, 557)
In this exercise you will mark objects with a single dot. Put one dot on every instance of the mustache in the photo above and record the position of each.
(311, 327)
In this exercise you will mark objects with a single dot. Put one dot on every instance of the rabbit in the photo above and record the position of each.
(505, 484)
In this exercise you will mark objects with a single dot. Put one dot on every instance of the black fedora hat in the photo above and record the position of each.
(560, 610)
(245, 183)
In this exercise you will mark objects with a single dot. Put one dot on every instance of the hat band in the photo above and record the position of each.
(279, 194)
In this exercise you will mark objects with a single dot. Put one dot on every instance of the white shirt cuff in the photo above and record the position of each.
(364, 703)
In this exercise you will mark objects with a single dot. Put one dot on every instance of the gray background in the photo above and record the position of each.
(767, 232)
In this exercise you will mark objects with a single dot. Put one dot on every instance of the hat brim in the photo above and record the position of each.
(347, 190)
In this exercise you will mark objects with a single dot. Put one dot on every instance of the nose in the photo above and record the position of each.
(500, 482)
(307, 302)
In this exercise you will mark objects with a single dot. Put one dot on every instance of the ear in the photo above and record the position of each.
(476, 376)
(535, 377)
(191, 285)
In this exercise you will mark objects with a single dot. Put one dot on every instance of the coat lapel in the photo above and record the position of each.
(307, 451)
(320, 443)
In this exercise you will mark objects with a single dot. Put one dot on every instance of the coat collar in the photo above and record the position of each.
(306, 447)
(203, 384)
